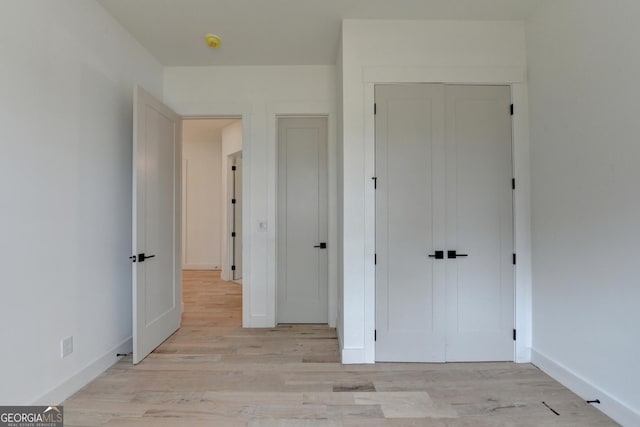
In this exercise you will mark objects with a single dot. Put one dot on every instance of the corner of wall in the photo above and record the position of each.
(610, 405)
(71, 385)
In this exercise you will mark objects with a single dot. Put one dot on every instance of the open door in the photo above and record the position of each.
(157, 281)
(236, 234)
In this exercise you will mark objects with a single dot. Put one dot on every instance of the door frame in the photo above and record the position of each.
(298, 109)
(319, 109)
(508, 76)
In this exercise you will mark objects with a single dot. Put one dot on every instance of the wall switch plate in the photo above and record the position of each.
(67, 346)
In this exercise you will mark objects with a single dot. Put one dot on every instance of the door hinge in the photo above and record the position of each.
(233, 268)
(513, 183)
(233, 234)
(514, 259)
(512, 109)
(375, 108)
(514, 334)
(233, 201)
(233, 168)
(375, 335)
(375, 182)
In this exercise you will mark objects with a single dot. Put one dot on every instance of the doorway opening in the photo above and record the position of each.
(211, 203)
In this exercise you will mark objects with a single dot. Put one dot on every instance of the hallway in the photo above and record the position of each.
(214, 373)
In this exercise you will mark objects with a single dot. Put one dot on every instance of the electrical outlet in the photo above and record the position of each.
(67, 346)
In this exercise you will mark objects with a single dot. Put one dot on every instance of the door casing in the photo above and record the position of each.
(510, 76)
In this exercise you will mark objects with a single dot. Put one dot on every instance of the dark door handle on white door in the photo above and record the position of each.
(141, 257)
(454, 254)
(437, 255)
(321, 246)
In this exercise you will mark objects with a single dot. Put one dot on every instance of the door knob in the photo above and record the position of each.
(321, 246)
(437, 255)
(454, 254)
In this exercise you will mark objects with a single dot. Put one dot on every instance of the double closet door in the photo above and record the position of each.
(444, 223)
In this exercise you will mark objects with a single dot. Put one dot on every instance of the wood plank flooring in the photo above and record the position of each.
(214, 373)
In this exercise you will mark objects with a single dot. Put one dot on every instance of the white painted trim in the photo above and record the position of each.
(513, 76)
(242, 111)
(258, 321)
(451, 75)
(611, 406)
(340, 341)
(71, 385)
(353, 356)
(522, 222)
(298, 109)
(369, 351)
(214, 266)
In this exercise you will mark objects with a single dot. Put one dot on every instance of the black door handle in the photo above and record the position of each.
(321, 246)
(142, 257)
(454, 254)
(437, 255)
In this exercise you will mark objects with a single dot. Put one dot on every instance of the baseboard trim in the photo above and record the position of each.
(340, 342)
(353, 356)
(611, 406)
(524, 355)
(70, 386)
(258, 322)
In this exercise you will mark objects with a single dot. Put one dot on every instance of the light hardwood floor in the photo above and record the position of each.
(214, 373)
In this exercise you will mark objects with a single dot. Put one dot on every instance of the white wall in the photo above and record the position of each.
(231, 144)
(415, 51)
(201, 196)
(66, 93)
(257, 94)
(583, 69)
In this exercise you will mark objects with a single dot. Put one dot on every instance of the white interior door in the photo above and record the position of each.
(237, 218)
(480, 286)
(410, 316)
(444, 170)
(157, 283)
(302, 220)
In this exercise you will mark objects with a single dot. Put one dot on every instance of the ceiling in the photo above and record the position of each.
(277, 32)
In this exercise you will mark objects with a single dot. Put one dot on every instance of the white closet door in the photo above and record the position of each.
(444, 170)
(479, 217)
(410, 312)
(302, 220)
